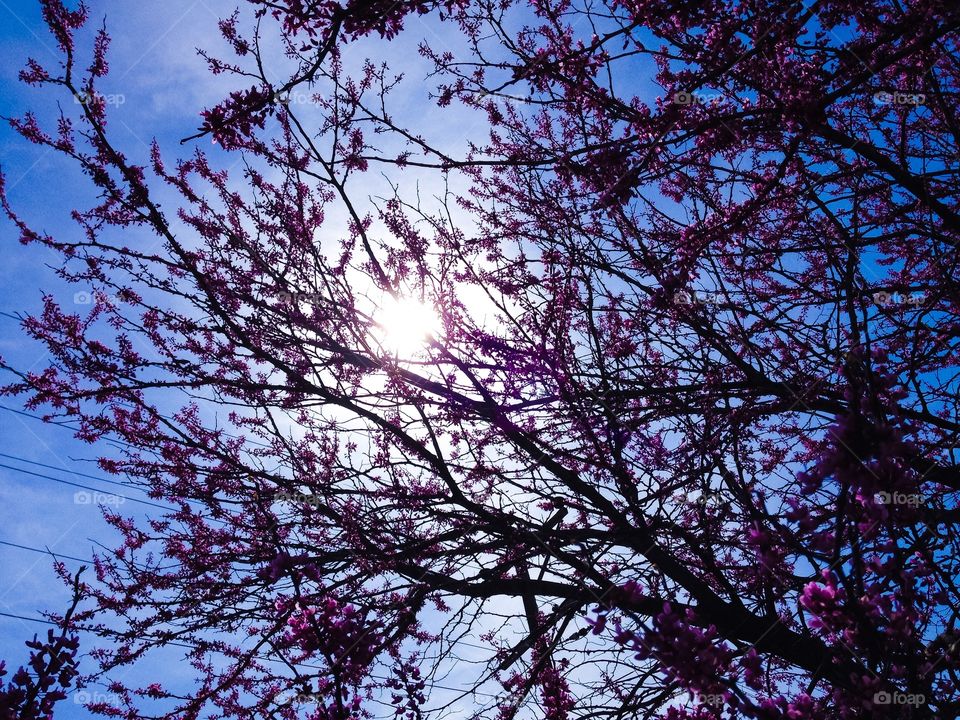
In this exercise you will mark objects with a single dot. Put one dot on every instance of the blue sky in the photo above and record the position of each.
(48, 480)
(49, 483)
(158, 84)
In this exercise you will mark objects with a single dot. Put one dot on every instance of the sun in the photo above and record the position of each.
(406, 325)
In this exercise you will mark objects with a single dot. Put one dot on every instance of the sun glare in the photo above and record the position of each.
(406, 325)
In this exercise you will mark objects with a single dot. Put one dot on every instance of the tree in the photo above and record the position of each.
(31, 694)
(697, 457)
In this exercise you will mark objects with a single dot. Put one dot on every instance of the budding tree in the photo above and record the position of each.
(661, 452)
(34, 689)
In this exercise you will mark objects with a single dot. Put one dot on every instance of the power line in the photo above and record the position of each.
(44, 552)
(90, 562)
(54, 467)
(67, 425)
(70, 557)
(86, 487)
(72, 472)
(28, 619)
(190, 646)
(61, 423)
(47, 551)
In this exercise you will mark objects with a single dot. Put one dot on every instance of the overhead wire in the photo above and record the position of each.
(86, 487)
(43, 551)
(191, 646)
(68, 425)
(72, 472)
